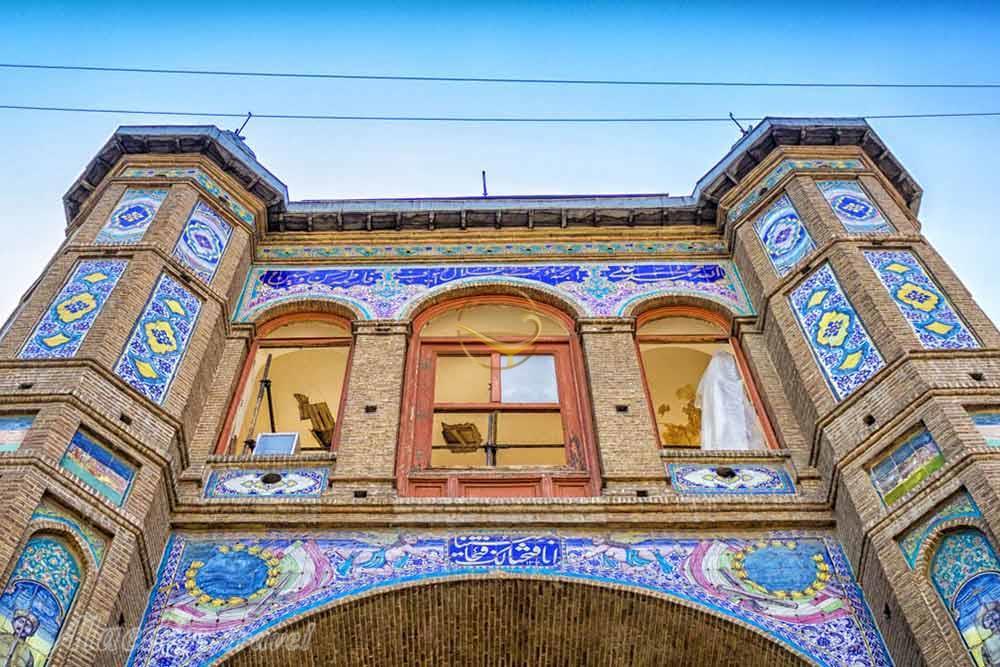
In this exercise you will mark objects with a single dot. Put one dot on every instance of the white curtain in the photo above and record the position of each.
(728, 420)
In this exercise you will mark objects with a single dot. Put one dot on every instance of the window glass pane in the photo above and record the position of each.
(309, 329)
(493, 320)
(528, 379)
(531, 456)
(680, 326)
(529, 428)
(457, 439)
(306, 383)
(673, 372)
(462, 379)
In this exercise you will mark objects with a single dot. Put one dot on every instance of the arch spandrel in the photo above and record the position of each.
(797, 591)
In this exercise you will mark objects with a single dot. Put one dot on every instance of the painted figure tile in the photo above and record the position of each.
(779, 172)
(785, 239)
(159, 339)
(581, 248)
(302, 482)
(853, 207)
(36, 601)
(987, 421)
(13, 429)
(906, 465)
(387, 291)
(203, 241)
(64, 326)
(98, 468)
(741, 479)
(48, 510)
(921, 301)
(215, 593)
(966, 573)
(130, 219)
(840, 343)
(959, 505)
(202, 179)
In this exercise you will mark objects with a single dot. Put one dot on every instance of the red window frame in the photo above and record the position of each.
(770, 438)
(415, 476)
(260, 341)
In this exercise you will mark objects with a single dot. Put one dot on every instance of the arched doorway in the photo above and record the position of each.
(507, 621)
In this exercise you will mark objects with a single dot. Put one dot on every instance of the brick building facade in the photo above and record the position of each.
(238, 429)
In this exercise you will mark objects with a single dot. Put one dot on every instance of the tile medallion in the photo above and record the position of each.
(216, 593)
(840, 343)
(99, 469)
(852, 206)
(159, 339)
(987, 421)
(785, 239)
(388, 291)
(779, 172)
(65, 324)
(920, 300)
(203, 241)
(959, 505)
(13, 429)
(966, 573)
(267, 483)
(37, 599)
(906, 465)
(391, 252)
(200, 177)
(745, 479)
(48, 510)
(130, 219)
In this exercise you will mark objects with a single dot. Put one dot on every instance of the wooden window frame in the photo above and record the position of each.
(260, 342)
(770, 438)
(415, 477)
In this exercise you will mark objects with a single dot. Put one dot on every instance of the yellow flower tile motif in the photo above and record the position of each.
(160, 337)
(917, 297)
(76, 307)
(833, 328)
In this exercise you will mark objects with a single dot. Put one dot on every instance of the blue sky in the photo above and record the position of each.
(954, 160)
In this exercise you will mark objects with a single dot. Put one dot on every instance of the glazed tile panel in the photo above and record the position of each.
(785, 239)
(302, 482)
(98, 468)
(906, 466)
(746, 479)
(960, 505)
(13, 429)
(215, 593)
(44, 583)
(389, 291)
(135, 211)
(159, 339)
(786, 167)
(921, 301)
(853, 207)
(203, 241)
(47, 510)
(987, 421)
(62, 329)
(839, 341)
(201, 178)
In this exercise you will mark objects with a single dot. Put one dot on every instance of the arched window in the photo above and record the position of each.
(495, 403)
(292, 387)
(699, 391)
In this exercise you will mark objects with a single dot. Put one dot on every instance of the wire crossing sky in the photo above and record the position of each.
(548, 97)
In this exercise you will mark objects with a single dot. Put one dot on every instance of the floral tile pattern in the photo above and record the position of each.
(130, 219)
(387, 291)
(906, 465)
(958, 505)
(779, 172)
(203, 241)
(215, 593)
(157, 344)
(853, 207)
(921, 301)
(99, 469)
(200, 177)
(746, 479)
(270, 483)
(63, 327)
(785, 239)
(49, 511)
(839, 341)
(38, 594)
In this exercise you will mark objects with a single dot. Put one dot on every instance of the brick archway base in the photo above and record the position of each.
(512, 622)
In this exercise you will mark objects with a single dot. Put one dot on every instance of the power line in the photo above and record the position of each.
(488, 79)
(471, 119)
